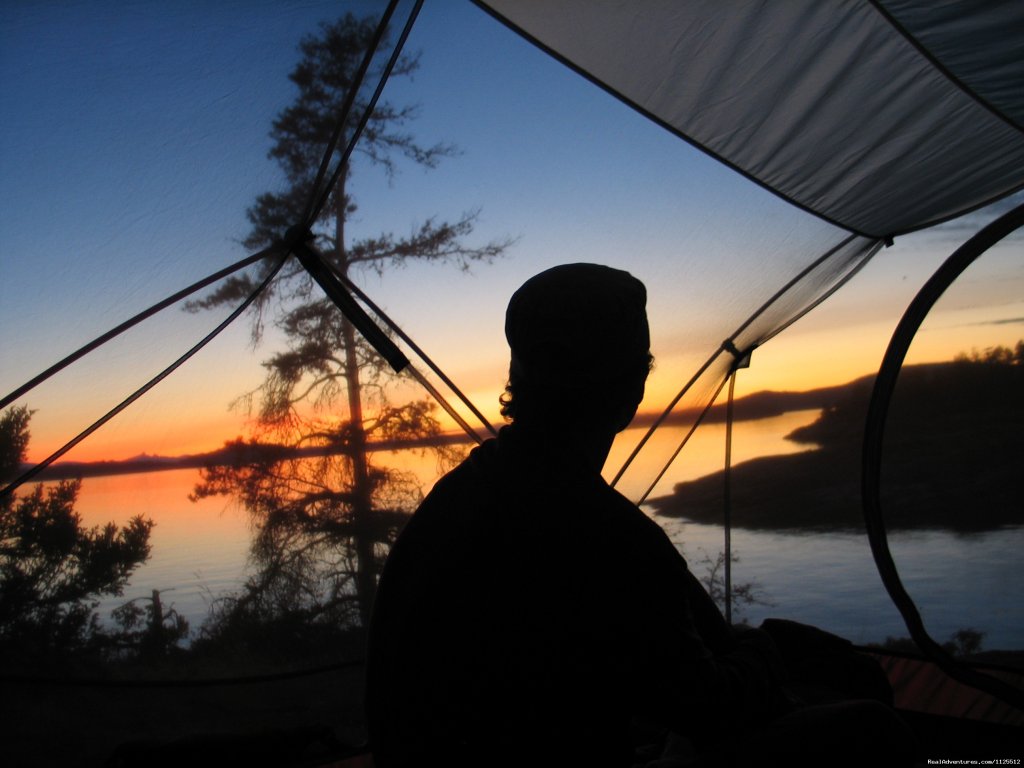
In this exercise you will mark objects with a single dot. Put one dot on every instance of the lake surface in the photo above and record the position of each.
(828, 579)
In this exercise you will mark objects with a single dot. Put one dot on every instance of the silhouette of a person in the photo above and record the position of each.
(529, 614)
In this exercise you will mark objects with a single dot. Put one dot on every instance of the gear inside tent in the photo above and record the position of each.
(255, 264)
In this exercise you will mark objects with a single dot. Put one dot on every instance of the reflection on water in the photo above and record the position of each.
(704, 452)
(830, 581)
(827, 579)
(199, 550)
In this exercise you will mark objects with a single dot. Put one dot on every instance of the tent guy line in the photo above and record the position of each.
(295, 243)
(742, 359)
(314, 211)
(117, 330)
(398, 331)
(9, 489)
(315, 203)
(868, 250)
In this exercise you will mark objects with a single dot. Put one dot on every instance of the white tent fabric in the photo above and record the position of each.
(830, 104)
(978, 43)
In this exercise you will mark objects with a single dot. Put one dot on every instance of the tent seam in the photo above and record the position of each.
(665, 125)
(711, 153)
(943, 69)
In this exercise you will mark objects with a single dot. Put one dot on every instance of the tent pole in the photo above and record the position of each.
(874, 429)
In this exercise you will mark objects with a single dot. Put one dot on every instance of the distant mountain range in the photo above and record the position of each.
(759, 405)
(233, 453)
(949, 403)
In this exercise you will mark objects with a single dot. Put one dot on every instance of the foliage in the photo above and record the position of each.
(301, 133)
(997, 355)
(14, 437)
(151, 631)
(53, 571)
(324, 517)
(966, 641)
(741, 596)
(306, 537)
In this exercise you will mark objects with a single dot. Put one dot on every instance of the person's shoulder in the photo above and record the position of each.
(615, 503)
(625, 516)
(647, 554)
(463, 486)
(467, 477)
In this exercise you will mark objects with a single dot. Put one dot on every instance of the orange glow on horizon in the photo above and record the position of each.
(115, 442)
(808, 356)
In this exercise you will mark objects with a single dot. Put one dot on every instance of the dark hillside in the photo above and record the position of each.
(954, 452)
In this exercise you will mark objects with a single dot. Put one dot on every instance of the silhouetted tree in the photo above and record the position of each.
(965, 641)
(148, 631)
(997, 355)
(53, 571)
(742, 594)
(331, 517)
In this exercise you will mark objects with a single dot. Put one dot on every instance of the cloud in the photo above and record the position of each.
(1003, 321)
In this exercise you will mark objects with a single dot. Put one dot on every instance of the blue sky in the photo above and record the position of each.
(135, 136)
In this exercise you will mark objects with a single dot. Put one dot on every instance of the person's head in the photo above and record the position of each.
(580, 348)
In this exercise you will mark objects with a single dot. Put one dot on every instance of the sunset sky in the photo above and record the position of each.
(135, 136)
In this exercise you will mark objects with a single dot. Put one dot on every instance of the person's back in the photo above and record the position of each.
(529, 613)
(500, 620)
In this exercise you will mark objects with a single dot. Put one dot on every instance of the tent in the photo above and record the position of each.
(814, 136)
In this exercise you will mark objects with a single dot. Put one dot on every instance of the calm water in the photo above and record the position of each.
(200, 551)
(830, 580)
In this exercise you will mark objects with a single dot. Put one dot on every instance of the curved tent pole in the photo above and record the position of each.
(874, 429)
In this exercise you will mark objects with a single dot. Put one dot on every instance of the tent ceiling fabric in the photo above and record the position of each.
(829, 104)
(980, 44)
